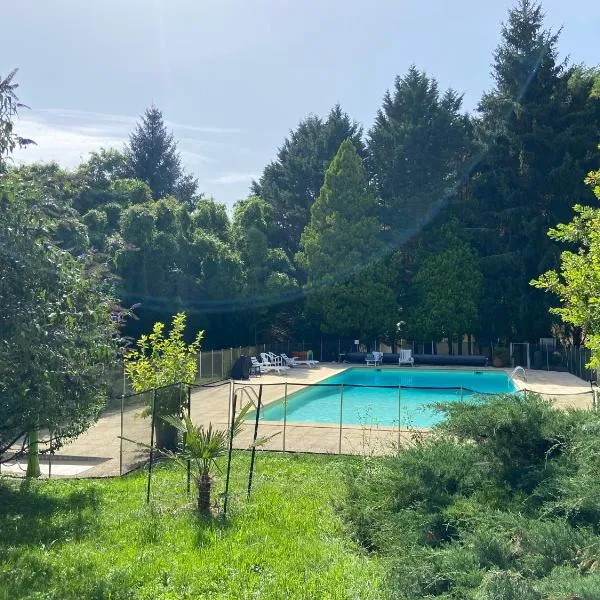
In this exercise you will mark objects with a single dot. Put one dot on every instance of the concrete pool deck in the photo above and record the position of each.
(96, 452)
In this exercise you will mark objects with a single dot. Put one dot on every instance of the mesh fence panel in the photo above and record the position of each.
(350, 418)
(136, 422)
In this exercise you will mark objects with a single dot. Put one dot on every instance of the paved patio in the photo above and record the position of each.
(96, 453)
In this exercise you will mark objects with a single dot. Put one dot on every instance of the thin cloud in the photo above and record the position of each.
(90, 116)
(231, 178)
(69, 136)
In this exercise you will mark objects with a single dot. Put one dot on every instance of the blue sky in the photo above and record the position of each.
(232, 78)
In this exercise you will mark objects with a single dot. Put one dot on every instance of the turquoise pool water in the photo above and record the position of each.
(370, 405)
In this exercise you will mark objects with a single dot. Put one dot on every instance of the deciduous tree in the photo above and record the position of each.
(577, 281)
(57, 332)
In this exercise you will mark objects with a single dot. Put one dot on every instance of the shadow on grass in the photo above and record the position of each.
(29, 516)
(207, 529)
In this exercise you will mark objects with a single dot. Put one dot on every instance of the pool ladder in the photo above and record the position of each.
(519, 370)
(252, 397)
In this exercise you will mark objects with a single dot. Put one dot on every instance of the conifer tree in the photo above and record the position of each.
(292, 182)
(152, 157)
(342, 252)
(416, 149)
(538, 127)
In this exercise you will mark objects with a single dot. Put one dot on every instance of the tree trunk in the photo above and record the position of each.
(204, 483)
(33, 461)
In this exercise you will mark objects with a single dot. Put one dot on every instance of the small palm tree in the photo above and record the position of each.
(202, 446)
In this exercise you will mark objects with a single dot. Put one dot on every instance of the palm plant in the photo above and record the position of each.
(202, 446)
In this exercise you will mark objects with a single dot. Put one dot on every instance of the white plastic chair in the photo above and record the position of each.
(406, 358)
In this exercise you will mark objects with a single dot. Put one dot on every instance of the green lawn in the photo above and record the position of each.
(98, 538)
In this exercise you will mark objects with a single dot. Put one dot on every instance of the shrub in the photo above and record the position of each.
(505, 585)
(517, 434)
(501, 502)
(97, 224)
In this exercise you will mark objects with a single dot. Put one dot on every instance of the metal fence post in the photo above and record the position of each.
(341, 415)
(229, 452)
(200, 364)
(399, 414)
(230, 403)
(222, 364)
(212, 363)
(461, 393)
(284, 414)
(151, 445)
(121, 436)
(189, 463)
(50, 457)
(253, 455)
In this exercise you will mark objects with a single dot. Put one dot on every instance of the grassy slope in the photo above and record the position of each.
(98, 539)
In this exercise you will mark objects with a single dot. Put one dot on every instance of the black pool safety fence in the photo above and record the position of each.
(215, 365)
(272, 421)
(133, 436)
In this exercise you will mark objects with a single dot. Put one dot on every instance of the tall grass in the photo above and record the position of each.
(98, 539)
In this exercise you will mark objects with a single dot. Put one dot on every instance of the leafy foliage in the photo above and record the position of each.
(58, 334)
(161, 361)
(500, 503)
(446, 291)
(577, 284)
(9, 107)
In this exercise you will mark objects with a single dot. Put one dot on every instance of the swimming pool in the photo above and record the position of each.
(381, 406)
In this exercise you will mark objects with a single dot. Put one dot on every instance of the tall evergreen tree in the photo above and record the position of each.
(445, 291)
(342, 250)
(531, 126)
(416, 148)
(292, 182)
(152, 157)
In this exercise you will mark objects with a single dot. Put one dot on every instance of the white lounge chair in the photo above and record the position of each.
(266, 362)
(374, 359)
(296, 362)
(274, 359)
(290, 362)
(406, 358)
(257, 367)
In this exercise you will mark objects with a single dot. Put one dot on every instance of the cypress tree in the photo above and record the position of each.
(292, 182)
(342, 252)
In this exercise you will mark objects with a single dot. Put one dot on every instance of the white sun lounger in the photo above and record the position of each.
(406, 358)
(278, 368)
(296, 362)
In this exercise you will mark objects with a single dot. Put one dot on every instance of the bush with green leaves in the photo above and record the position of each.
(162, 363)
(502, 501)
(59, 332)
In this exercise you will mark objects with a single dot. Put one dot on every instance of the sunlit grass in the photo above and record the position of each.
(99, 539)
